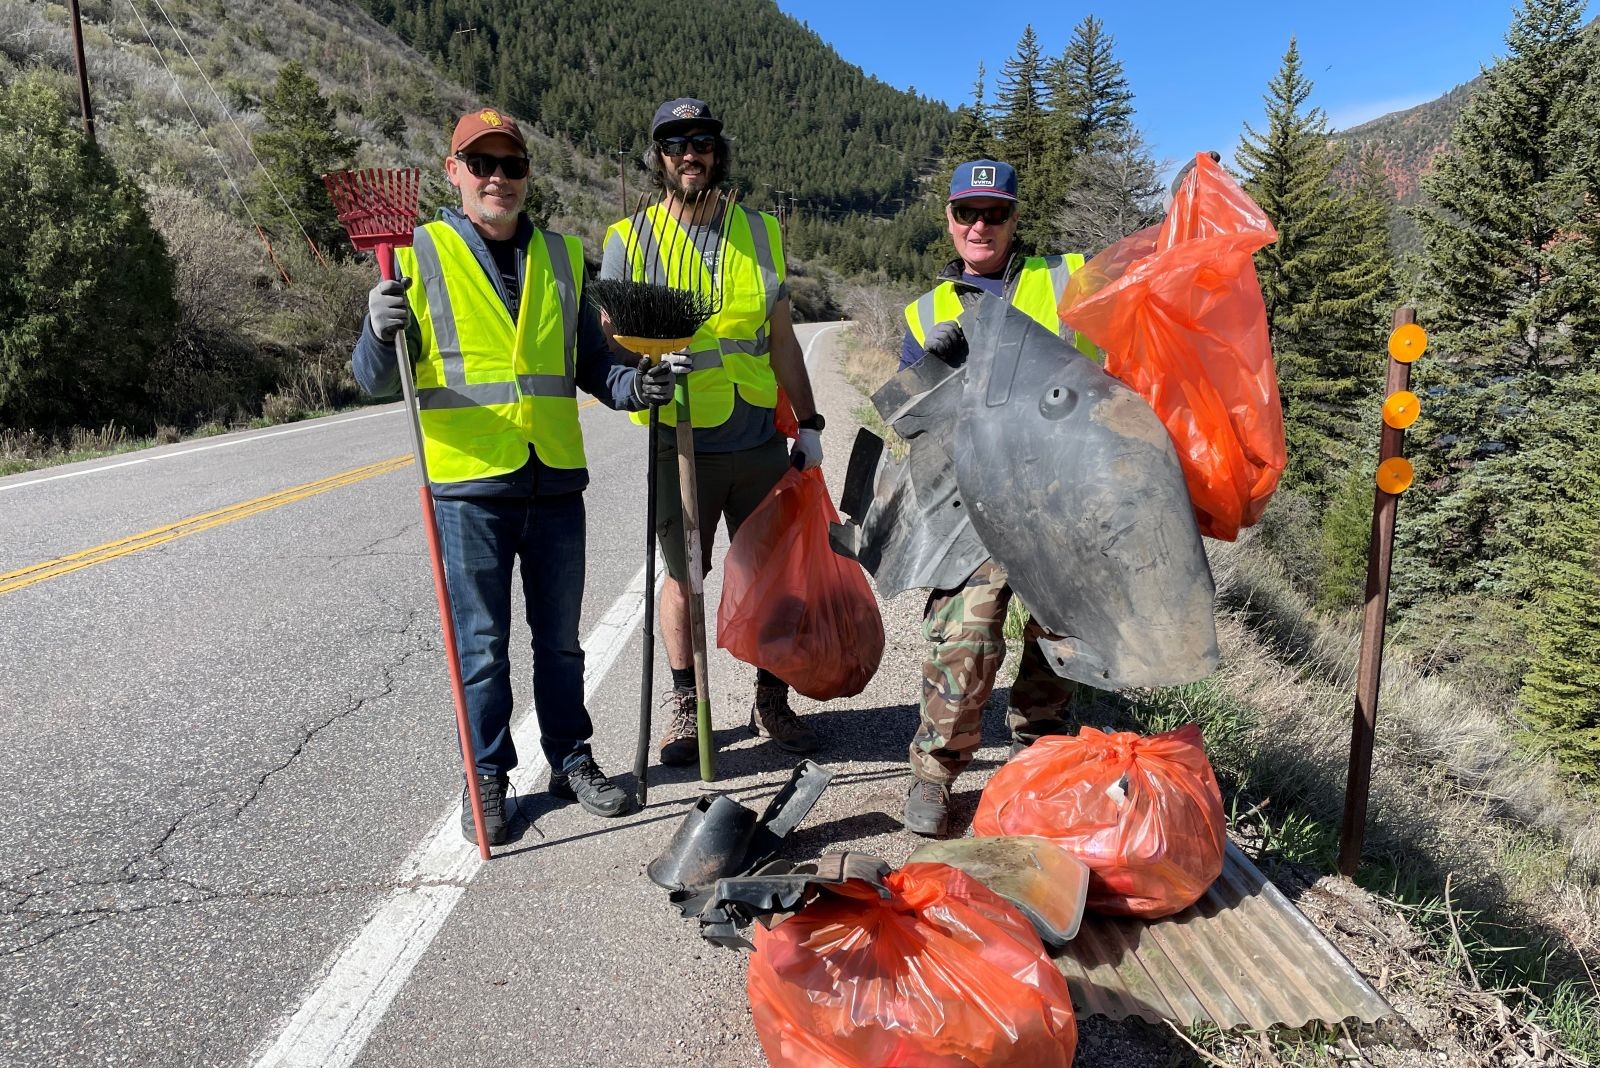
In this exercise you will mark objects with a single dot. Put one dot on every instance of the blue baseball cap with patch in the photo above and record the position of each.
(983, 178)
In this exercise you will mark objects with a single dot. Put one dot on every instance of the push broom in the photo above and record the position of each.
(378, 209)
(651, 319)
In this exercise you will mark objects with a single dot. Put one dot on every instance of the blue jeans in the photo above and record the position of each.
(481, 538)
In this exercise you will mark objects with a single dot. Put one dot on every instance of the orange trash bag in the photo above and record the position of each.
(1178, 312)
(1144, 813)
(792, 605)
(944, 973)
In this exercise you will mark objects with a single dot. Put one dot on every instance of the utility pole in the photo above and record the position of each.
(83, 72)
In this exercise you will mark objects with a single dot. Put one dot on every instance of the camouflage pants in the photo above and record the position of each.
(967, 629)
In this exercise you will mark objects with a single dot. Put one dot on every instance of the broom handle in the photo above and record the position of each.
(641, 756)
(689, 490)
(430, 527)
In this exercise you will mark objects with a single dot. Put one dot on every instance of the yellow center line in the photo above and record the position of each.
(65, 565)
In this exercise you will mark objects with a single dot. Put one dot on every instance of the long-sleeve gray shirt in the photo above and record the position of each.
(377, 370)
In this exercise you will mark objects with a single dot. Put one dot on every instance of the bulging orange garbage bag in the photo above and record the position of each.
(792, 605)
(944, 973)
(1178, 312)
(1144, 813)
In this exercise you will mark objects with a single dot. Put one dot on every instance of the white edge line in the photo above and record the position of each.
(301, 429)
(339, 1014)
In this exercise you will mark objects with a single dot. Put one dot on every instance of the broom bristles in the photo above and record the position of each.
(644, 309)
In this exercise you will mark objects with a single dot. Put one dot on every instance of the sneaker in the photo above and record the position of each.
(927, 809)
(588, 785)
(681, 742)
(771, 717)
(492, 793)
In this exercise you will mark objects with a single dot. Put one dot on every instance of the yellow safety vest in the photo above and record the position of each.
(487, 387)
(730, 352)
(1036, 292)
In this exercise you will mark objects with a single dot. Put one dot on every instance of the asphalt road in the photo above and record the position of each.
(229, 776)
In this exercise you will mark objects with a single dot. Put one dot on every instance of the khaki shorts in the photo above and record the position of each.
(729, 485)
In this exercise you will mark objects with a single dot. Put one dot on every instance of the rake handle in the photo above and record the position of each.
(441, 588)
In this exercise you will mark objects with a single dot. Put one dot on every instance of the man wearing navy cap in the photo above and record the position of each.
(739, 358)
(966, 625)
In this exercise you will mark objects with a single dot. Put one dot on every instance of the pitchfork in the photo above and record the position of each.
(378, 209)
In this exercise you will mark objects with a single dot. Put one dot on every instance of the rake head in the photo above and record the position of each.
(376, 207)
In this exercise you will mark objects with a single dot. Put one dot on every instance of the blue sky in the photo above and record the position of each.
(1197, 70)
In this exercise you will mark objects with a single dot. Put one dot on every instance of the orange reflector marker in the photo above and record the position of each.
(1394, 475)
(1401, 409)
(1408, 342)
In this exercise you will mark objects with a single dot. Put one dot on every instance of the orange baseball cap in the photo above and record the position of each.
(476, 125)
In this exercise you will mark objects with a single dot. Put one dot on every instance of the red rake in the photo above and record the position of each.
(378, 209)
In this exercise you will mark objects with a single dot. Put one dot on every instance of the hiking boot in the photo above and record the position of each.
(771, 717)
(681, 742)
(588, 785)
(927, 809)
(492, 793)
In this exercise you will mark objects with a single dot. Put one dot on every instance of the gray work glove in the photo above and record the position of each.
(387, 310)
(652, 385)
(807, 450)
(1183, 172)
(948, 342)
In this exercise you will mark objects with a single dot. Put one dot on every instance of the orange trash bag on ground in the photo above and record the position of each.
(944, 973)
(1144, 814)
(792, 605)
(1178, 312)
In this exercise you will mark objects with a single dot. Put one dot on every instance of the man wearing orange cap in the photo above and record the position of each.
(501, 338)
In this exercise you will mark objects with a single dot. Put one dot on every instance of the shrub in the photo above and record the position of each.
(86, 298)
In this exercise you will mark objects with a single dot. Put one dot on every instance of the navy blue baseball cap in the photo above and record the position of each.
(684, 113)
(983, 178)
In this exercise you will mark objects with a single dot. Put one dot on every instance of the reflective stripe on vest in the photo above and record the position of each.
(1036, 291)
(730, 352)
(487, 387)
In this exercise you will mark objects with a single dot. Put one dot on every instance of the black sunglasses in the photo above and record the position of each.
(994, 214)
(482, 166)
(703, 144)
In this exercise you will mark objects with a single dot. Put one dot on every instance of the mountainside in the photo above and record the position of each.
(1408, 140)
(802, 119)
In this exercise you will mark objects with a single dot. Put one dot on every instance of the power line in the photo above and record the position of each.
(229, 115)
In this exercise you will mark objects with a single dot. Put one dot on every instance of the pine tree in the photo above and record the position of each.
(1319, 279)
(1089, 93)
(1022, 106)
(1561, 691)
(1510, 229)
(1108, 192)
(301, 143)
(974, 133)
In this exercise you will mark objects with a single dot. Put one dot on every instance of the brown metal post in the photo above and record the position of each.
(1369, 671)
(83, 70)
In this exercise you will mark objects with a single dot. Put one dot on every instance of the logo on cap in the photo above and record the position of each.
(688, 111)
(490, 117)
(983, 176)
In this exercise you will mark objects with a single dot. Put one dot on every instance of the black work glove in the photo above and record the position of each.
(948, 342)
(387, 310)
(652, 385)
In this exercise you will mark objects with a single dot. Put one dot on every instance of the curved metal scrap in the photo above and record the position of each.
(1073, 485)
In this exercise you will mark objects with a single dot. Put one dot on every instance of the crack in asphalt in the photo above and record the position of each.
(22, 915)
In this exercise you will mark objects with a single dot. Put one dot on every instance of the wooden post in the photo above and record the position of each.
(83, 71)
(1380, 554)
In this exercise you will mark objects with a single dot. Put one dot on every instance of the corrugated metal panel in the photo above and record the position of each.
(1242, 956)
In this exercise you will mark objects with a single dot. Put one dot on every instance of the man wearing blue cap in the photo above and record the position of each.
(966, 625)
(739, 358)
